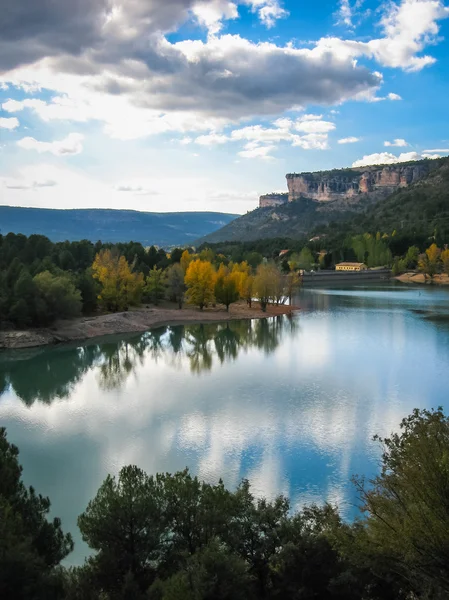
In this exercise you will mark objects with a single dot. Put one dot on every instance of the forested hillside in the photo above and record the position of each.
(161, 229)
(417, 210)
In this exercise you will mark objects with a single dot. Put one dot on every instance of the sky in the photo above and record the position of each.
(183, 105)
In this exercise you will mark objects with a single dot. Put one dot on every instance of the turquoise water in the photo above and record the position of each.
(290, 403)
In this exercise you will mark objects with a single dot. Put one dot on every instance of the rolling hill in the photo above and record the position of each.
(161, 229)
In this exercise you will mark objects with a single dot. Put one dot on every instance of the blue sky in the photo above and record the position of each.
(206, 104)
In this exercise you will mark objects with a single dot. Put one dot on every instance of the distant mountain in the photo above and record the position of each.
(405, 196)
(161, 229)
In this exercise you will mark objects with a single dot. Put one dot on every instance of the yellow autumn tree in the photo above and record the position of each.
(240, 272)
(226, 290)
(186, 259)
(121, 286)
(200, 283)
(429, 262)
(247, 289)
(445, 260)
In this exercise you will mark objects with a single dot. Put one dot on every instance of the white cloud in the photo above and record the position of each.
(314, 126)
(24, 184)
(210, 14)
(70, 145)
(269, 11)
(437, 150)
(394, 97)
(9, 122)
(398, 143)
(408, 28)
(141, 88)
(211, 139)
(349, 140)
(312, 141)
(345, 13)
(386, 158)
(253, 150)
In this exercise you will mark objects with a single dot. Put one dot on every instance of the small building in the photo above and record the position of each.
(351, 266)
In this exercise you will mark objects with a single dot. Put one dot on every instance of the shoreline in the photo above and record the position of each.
(137, 320)
(414, 277)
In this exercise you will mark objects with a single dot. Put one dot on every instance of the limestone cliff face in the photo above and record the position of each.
(326, 186)
(275, 199)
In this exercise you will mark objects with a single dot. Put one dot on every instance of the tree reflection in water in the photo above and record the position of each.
(53, 373)
(49, 374)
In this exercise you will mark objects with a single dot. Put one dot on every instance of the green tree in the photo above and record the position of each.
(304, 260)
(412, 257)
(213, 573)
(406, 505)
(124, 524)
(20, 313)
(155, 285)
(61, 297)
(176, 287)
(445, 260)
(31, 547)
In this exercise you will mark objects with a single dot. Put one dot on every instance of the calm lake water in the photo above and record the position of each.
(290, 403)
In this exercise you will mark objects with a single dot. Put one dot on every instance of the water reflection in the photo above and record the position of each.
(53, 373)
(45, 375)
(292, 404)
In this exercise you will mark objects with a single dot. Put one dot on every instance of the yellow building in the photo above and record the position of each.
(351, 266)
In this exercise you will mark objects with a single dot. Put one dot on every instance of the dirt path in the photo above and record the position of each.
(137, 320)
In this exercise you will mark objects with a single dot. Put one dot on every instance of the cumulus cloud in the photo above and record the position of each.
(349, 140)
(260, 141)
(392, 96)
(408, 28)
(70, 145)
(9, 122)
(437, 151)
(253, 150)
(398, 143)
(104, 59)
(386, 158)
(211, 139)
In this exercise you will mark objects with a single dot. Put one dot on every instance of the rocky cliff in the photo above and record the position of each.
(326, 186)
(274, 199)
(346, 194)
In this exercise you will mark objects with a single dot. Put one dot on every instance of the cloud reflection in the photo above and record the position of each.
(291, 404)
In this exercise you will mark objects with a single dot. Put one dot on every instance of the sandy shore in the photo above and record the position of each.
(413, 277)
(137, 320)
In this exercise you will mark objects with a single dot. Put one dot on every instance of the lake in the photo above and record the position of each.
(291, 404)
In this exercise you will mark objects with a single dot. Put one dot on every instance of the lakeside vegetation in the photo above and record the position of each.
(375, 250)
(41, 281)
(172, 536)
